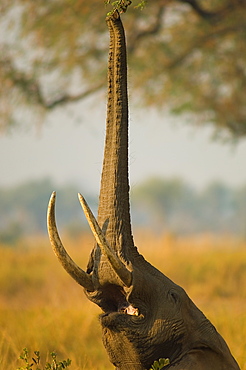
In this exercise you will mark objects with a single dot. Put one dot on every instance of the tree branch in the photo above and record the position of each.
(153, 29)
(65, 99)
(31, 88)
(180, 59)
(198, 9)
(211, 16)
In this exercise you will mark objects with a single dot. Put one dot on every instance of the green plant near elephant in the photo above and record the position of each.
(160, 364)
(122, 5)
(33, 363)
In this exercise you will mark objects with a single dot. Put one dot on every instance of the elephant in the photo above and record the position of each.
(145, 316)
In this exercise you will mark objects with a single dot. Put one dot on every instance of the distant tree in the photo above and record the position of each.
(241, 210)
(170, 204)
(218, 208)
(11, 234)
(26, 205)
(165, 205)
(187, 55)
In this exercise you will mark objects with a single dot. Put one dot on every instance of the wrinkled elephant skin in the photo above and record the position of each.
(145, 316)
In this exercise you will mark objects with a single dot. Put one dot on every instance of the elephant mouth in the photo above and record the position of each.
(117, 309)
(120, 313)
(129, 310)
(124, 307)
(124, 317)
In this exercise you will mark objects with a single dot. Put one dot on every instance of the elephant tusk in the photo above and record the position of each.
(123, 273)
(69, 265)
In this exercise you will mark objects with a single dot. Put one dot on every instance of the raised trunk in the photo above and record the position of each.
(114, 208)
(145, 315)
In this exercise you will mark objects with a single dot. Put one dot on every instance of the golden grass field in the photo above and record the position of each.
(43, 309)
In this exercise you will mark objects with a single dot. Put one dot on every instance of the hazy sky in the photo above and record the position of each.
(67, 151)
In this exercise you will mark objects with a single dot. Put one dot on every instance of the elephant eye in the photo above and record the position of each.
(174, 296)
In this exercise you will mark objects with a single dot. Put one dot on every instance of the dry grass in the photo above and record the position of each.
(43, 309)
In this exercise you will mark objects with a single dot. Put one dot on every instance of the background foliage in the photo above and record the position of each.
(184, 55)
(163, 205)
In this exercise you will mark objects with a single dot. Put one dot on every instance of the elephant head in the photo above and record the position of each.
(145, 316)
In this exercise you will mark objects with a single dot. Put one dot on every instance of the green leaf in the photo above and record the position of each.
(160, 364)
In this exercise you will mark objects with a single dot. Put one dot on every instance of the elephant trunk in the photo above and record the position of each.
(114, 207)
